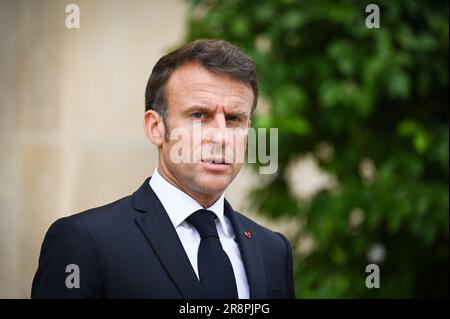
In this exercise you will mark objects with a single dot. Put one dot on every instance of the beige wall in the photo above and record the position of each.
(71, 106)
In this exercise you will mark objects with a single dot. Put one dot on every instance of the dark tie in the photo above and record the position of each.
(214, 268)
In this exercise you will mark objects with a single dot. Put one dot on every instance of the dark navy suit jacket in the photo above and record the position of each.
(130, 249)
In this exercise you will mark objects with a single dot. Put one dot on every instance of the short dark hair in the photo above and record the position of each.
(217, 56)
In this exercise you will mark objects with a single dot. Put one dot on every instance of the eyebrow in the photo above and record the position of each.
(198, 108)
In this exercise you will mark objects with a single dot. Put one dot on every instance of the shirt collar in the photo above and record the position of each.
(180, 205)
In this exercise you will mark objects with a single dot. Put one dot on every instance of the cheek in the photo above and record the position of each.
(239, 147)
(166, 153)
(241, 143)
(180, 146)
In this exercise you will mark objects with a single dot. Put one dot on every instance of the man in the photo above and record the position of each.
(176, 236)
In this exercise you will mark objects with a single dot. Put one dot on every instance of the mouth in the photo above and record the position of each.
(215, 161)
(215, 164)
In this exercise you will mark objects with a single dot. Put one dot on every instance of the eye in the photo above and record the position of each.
(234, 118)
(197, 115)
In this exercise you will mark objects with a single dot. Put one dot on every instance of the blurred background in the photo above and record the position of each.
(362, 115)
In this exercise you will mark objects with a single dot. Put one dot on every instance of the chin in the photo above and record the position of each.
(214, 184)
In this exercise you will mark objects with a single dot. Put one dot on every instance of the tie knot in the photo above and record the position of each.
(204, 221)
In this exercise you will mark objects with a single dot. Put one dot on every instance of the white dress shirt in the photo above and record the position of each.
(179, 206)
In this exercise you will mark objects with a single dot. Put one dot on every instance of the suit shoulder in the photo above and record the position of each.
(86, 222)
(116, 210)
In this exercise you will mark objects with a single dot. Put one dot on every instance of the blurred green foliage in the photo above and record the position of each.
(378, 98)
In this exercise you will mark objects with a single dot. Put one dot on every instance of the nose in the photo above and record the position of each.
(217, 131)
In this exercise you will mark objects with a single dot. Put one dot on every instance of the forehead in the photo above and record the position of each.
(192, 83)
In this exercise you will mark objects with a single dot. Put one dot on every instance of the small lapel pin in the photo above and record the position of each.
(248, 234)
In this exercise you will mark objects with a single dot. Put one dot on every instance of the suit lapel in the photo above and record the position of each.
(162, 236)
(250, 252)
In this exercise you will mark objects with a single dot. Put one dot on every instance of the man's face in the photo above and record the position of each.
(221, 107)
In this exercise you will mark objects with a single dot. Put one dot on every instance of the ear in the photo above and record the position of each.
(154, 127)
